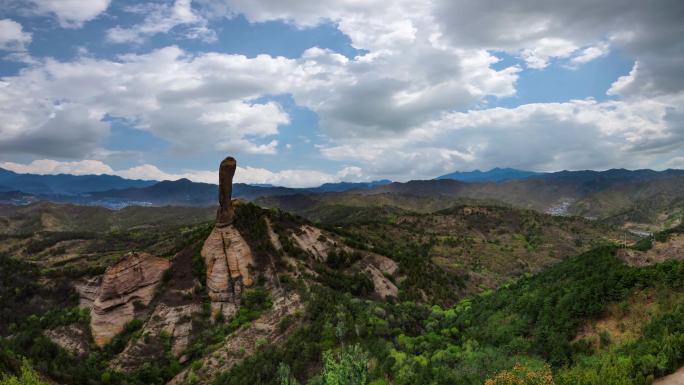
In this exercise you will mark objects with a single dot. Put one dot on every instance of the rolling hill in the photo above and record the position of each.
(494, 175)
(457, 296)
(641, 199)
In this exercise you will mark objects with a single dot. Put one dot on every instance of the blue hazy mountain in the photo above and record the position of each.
(65, 183)
(346, 186)
(494, 175)
(106, 189)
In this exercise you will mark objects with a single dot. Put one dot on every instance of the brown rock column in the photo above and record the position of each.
(225, 213)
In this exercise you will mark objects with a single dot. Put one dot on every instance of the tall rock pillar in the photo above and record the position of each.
(225, 212)
(226, 253)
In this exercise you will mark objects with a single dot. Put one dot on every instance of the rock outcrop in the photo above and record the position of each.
(125, 285)
(228, 259)
(378, 268)
(88, 289)
(176, 321)
(312, 240)
(245, 342)
(72, 338)
(672, 249)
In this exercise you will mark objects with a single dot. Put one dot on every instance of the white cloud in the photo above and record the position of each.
(71, 13)
(393, 109)
(251, 175)
(624, 83)
(545, 49)
(196, 102)
(151, 172)
(350, 174)
(162, 18)
(590, 53)
(578, 134)
(288, 178)
(49, 166)
(12, 36)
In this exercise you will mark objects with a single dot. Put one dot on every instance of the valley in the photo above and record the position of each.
(390, 286)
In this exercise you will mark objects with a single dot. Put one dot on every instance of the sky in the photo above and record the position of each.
(304, 93)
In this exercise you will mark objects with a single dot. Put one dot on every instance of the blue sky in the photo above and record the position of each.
(302, 95)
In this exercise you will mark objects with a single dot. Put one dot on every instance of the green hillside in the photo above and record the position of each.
(484, 294)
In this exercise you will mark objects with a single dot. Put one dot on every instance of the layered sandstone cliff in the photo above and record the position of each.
(228, 259)
(130, 282)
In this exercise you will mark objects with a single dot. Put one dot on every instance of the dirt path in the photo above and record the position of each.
(676, 378)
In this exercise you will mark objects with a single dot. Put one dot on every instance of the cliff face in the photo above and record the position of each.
(133, 279)
(228, 259)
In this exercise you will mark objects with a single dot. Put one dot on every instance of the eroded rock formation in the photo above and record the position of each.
(228, 259)
(312, 240)
(225, 213)
(226, 254)
(125, 285)
(176, 321)
(378, 267)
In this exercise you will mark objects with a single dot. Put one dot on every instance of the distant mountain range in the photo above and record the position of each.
(116, 192)
(493, 175)
(650, 198)
(618, 195)
(65, 183)
(346, 186)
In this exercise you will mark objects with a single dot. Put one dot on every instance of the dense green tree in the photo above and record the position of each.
(28, 376)
(349, 367)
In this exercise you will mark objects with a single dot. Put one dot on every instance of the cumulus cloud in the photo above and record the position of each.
(545, 49)
(412, 104)
(71, 13)
(162, 18)
(12, 36)
(578, 134)
(407, 76)
(391, 108)
(195, 102)
(648, 31)
(288, 178)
